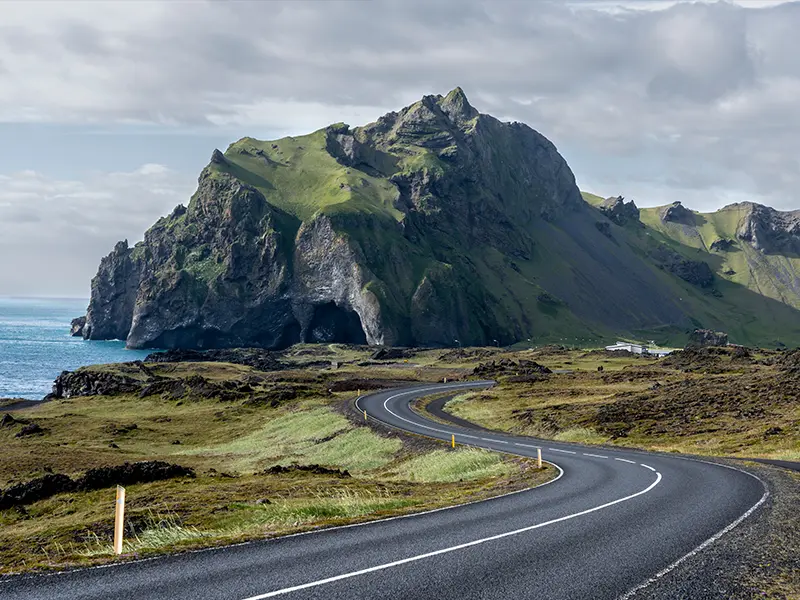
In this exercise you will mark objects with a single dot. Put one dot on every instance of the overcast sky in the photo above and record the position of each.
(109, 110)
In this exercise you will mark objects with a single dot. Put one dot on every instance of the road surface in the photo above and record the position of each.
(610, 522)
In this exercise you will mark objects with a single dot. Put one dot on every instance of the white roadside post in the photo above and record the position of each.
(539, 458)
(119, 520)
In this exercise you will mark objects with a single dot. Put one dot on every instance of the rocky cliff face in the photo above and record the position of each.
(435, 225)
(769, 230)
(619, 211)
(238, 267)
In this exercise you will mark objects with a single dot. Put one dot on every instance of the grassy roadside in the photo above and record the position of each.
(285, 456)
(718, 402)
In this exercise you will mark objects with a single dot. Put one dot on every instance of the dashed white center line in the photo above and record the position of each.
(564, 451)
(595, 455)
(648, 467)
(526, 445)
(495, 441)
(633, 462)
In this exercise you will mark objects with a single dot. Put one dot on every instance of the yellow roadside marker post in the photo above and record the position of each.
(365, 414)
(119, 520)
(538, 458)
(453, 440)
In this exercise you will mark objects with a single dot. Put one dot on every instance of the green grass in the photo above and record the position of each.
(580, 435)
(230, 445)
(300, 177)
(306, 437)
(592, 199)
(447, 466)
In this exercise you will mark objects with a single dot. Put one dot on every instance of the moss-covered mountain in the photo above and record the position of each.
(745, 256)
(435, 225)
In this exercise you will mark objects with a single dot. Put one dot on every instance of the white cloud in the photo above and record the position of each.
(54, 232)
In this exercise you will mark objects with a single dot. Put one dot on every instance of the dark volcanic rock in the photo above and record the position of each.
(723, 245)
(316, 469)
(36, 489)
(92, 383)
(604, 228)
(131, 473)
(700, 338)
(506, 366)
(619, 211)
(677, 213)
(76, 327)
(695, 272)
(391, 354)
(114, 291)
(30, 429)
(94, 479)
(258, 358)
(7, 420)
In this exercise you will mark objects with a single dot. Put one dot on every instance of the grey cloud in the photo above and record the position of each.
(710, 89)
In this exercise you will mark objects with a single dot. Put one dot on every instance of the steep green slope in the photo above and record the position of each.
(773, 275)
(754, 295)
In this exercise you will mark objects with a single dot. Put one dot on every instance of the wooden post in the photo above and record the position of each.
(365, 414)
(539, 458)
(119, 520)
(453, 441)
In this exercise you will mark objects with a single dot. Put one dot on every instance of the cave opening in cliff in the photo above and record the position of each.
(332, 323)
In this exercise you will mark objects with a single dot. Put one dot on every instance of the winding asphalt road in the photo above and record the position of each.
(613, 520)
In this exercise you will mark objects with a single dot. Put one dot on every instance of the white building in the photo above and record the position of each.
(637, 349)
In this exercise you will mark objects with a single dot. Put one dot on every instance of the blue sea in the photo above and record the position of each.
(35, 345)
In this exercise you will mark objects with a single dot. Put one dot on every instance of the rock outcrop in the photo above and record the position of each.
(695, 272)
(701, 338)
(723, 245)
(619, 211)
(769, 230)
(98, 478)
(677, 213)
(76, 327)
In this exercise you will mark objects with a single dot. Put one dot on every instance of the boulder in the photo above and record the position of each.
(76, 327)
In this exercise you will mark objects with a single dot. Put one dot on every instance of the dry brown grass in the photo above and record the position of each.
(229, 444)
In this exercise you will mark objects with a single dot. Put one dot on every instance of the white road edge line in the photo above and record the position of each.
(438, 387)
(697, 550)
(419, 557)
(647, 466)
(597, 456)
(633, 591)
(633, 462)
(709, 541)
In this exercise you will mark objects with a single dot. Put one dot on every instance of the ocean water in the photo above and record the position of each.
(35, 345)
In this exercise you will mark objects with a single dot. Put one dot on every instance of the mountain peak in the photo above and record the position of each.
(456, 106)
